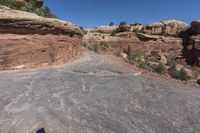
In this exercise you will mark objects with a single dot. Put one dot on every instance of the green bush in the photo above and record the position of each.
(122, 23)
(96, 48)
(29, 7)
(9, 3)
(137, 31)
(83, 30)
(111, 24)
(140, 57)
(172, 64)
(160, 69)
(128, 52)
(179, 74)
(105, 45)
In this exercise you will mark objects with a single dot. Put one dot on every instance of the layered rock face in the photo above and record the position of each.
(192, 46)
(166, 27)
(28, 40)
(153, 28)
(104, 29)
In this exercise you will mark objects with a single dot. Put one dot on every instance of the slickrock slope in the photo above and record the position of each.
(28, 40)
(95, 96)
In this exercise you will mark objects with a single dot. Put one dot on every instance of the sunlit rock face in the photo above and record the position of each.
(28, 40)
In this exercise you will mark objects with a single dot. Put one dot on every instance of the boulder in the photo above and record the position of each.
(173, 27)
(136, 27)
(153, 29)
(163, 60)
(28, 40)
(195, 27)
(124, 28)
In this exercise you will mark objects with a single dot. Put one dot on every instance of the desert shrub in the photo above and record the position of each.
(128, 52)
(29, 7)
(9, 3)
(140, 57)
(111, 24)
(196, 71)
(105, 45)
(96, 48)
(160, 69)
(83, 30)
(179, 74)
(137, 31)
(171, 63)
(122, 23)
(118, 53)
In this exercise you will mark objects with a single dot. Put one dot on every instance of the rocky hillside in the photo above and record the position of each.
(160, 45)
(28, 40)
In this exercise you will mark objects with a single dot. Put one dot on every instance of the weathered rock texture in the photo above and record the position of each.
(104, 29)
(153, 28)
(136, 27)
(29, 40)
(166, 27)
(195, 26)
(192, 46)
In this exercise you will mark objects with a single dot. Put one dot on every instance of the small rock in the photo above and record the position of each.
(163, 60)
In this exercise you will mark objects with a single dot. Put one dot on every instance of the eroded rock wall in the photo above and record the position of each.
(27, 40)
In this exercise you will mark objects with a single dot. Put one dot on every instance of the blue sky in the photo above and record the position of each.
(91, 13)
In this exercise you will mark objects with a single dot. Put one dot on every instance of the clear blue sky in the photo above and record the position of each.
(91, 13)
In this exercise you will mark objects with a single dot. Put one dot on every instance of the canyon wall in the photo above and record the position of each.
(27, 40)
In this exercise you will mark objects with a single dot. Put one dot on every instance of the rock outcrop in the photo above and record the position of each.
(173, 27)
(153, 29)
(19, 22)
(136, 27)
(28, 40)
(104, 29)
(195, 27)
(166, 27)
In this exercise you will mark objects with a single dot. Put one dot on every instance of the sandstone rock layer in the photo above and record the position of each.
(27, 40)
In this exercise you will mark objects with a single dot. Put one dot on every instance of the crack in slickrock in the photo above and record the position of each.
(100, 73)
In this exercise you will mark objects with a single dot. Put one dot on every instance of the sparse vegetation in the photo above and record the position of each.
(122, 23)
(179, 74)
(118, 53)
(160, 69)
(111, 24)
(140, 57)
(83, 30)
(96, 48)
(9, 3)
(105, 46)
(137, 31)
(29, 7)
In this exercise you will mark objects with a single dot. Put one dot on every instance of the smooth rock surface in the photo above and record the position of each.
(95, 96)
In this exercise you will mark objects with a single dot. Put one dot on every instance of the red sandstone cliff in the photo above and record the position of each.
(27, 40)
